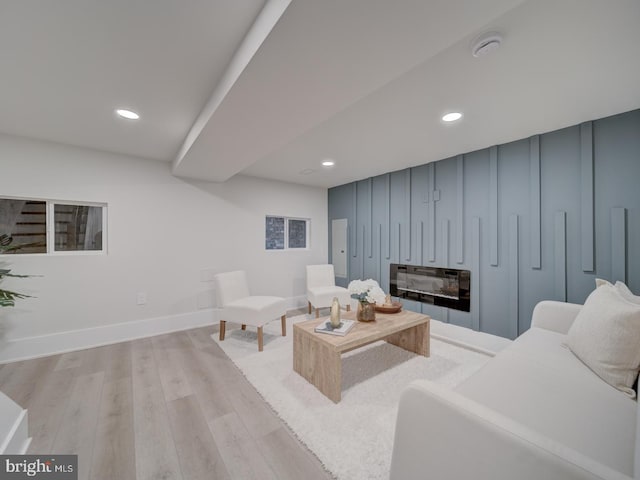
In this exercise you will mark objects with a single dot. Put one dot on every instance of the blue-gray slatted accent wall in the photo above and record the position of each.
(535, 219)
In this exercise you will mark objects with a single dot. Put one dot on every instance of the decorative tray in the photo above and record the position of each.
(395, 307)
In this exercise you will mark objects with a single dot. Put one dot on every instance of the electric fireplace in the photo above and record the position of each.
(444, 287)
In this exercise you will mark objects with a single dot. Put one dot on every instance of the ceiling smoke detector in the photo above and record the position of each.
(485, 43)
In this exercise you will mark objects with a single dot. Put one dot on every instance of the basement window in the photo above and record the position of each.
(286, 233)
(29, 226)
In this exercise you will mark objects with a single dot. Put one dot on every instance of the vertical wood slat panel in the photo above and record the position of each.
(364, 242)
(387, 213)
(407, 212)
(398, 240)
(354, 239)
(420, 242)
(370, 237)
(587, 197)
(431, 209)
(475, 273)
(445, 243)
(493, 206)
(534, 194)
(445, 259)
(619, 244)
(380, 253)
(460, 211)
(560, 257)
(513, 276)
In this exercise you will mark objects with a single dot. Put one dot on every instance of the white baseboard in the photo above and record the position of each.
(63, 342)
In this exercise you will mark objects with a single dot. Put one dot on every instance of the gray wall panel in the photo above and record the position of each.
(619, 244)
(407, 216)
(380, 217)
(534, 198)
(560, 261)
(516, 215)
(476, 285)
(617, 185)
(341, 206)
(493, 204)
(353, 223)
(561, 191)
(587, 196)
(460, 209)
(514, 276)
(370, 220)
(431, 209)
(419, 214)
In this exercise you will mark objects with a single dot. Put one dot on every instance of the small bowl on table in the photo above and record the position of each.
(393, 307)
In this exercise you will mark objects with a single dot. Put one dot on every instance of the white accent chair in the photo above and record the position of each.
(239, 306)
(321, 288)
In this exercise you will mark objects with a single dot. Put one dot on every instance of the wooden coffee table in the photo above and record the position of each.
(317, 356)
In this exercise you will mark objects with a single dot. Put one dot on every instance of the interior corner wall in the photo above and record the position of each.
(535, 219)
(166, 237)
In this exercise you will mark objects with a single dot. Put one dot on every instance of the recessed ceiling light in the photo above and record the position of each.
(486, 43)
(328, 163)
(451, 117)
(128, 114)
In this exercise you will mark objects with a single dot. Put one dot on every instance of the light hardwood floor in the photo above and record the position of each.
(167, 407)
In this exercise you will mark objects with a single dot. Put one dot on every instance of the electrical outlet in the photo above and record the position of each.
(142, 298)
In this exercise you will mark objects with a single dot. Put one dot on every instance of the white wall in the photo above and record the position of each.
(162, 231)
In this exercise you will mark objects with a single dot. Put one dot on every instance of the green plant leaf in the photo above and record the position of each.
(7, 297)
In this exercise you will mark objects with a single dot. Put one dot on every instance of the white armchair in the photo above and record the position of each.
(321, 288)
(239, 306)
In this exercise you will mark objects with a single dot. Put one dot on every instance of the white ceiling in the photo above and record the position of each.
(363, 82)
(67, 64)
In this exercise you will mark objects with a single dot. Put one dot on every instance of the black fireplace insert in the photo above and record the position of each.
(444, 287)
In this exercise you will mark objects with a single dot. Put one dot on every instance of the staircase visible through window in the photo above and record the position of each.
(45, 226)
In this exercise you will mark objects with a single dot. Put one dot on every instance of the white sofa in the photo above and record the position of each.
(534, 411)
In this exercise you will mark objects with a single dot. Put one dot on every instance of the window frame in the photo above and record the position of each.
(286, 234)
(50, 227)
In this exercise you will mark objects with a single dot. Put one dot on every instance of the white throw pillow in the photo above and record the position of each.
(626, 293)
(605, 336)
(600, 282)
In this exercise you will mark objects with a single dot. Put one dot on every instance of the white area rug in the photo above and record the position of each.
(354, 438)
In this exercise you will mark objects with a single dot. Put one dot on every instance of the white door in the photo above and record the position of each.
(339, 246)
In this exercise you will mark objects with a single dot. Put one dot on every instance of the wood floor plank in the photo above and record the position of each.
(114, 360)
(77, 430)
(197, 451)
(118, 364)
(69, 360)
(201, 337)
(155, 450)
(239, 450)
(172, 340)
(172, 377)
(114, 449)
(25, 378)
(256, 415)
(200, 372)
(46, 410)
(287, 461)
